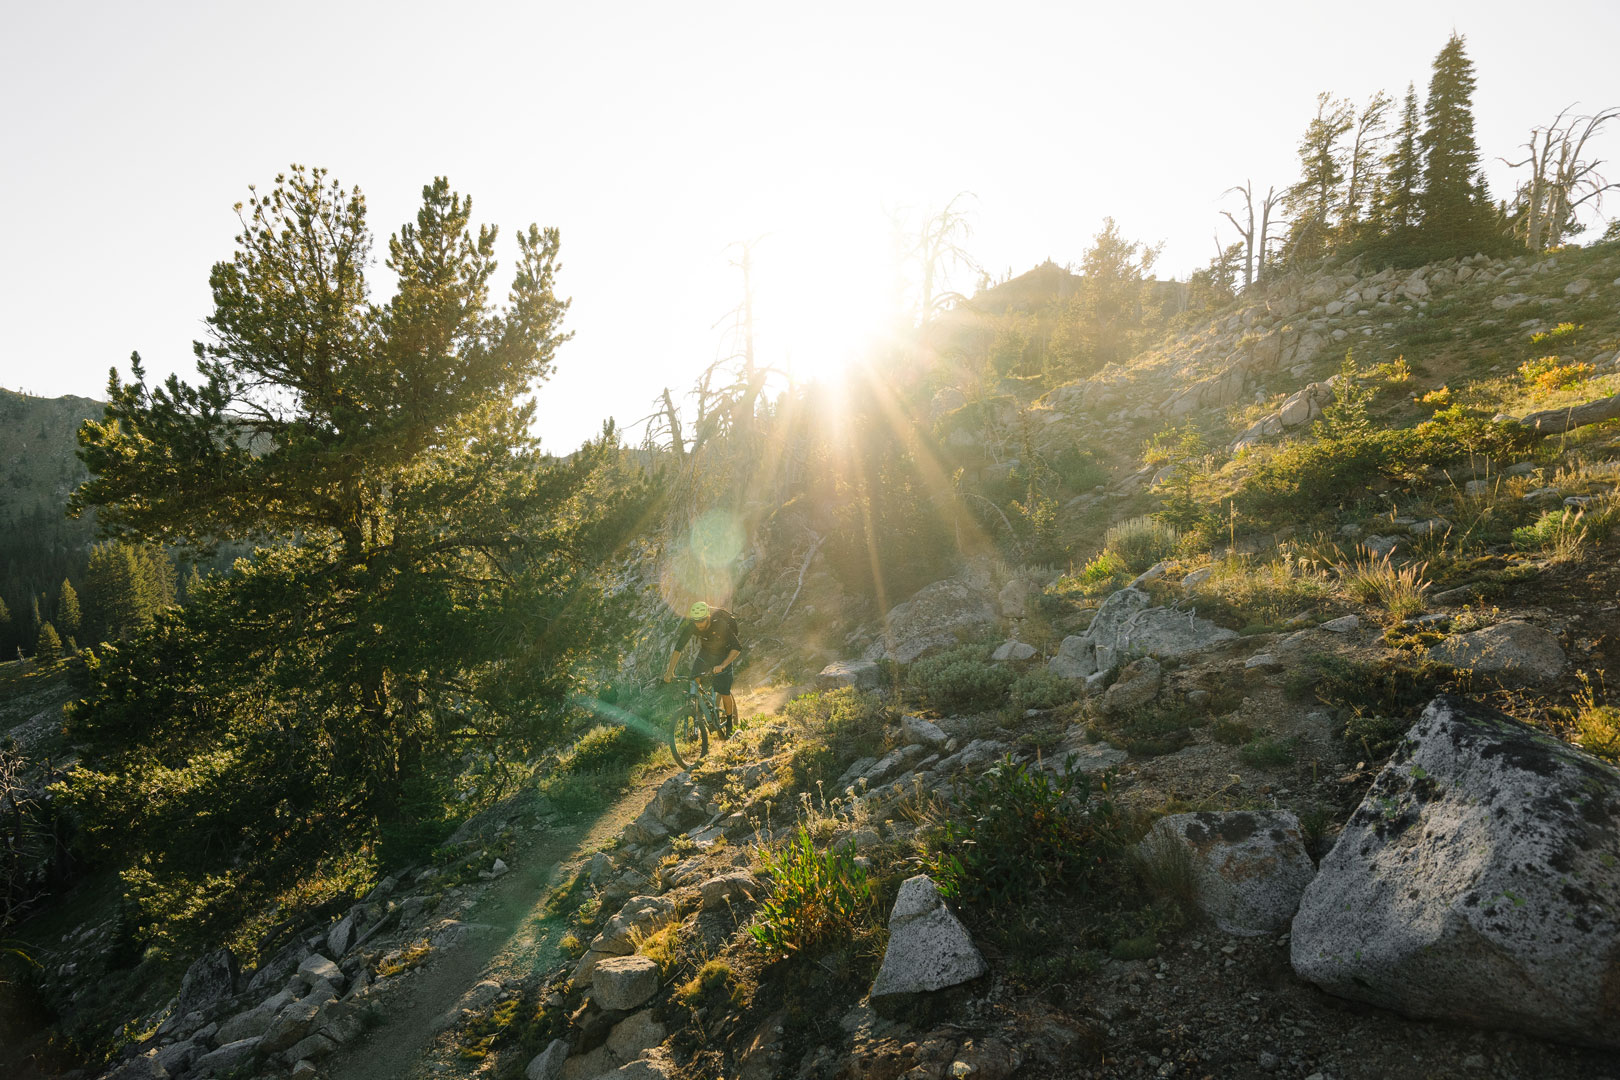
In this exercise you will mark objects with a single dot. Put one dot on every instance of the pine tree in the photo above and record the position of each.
(67, 609)
(1397, 212)
(1316, 200)
(1456, 217)
(48, 646)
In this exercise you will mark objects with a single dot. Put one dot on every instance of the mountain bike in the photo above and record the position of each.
(701, 714)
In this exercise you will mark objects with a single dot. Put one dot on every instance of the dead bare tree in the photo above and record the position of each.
(935, 249)
(1254, 237)
(1561, 180)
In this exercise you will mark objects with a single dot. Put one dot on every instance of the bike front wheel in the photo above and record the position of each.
(688, 739)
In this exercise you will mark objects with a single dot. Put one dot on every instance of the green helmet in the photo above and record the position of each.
(698, 611)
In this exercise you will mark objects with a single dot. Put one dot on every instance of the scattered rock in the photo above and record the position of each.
(862, 674)
(1012, 650)
(1126, 624)
(1197, 577)
(340, 936)
(1379, 546)
(1261, 660)
(635, 1035)
(548, 1063)
(1250, 866)
(1342, 625)
(1014, 598)
(727, 889)
(226, 1058)
(1513, 650)
(1479, 881)
(317, 966)
(1429, 527)
(929, 948)
(915, 731)
(255, 1021)
(624, 982)
(1138, 684)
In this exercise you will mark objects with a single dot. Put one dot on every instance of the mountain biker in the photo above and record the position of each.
(718, 649)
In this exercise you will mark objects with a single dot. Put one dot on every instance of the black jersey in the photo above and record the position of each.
(714, 643)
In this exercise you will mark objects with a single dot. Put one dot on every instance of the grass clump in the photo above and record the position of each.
(1267, 752)
(961, 679)
(1017, 831)
(1596, 723)
(1399, 590)
(716, 980)
(821, 899)
(1141, 541)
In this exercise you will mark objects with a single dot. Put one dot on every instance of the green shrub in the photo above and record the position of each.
(607, 747)
(1015, 831)
(1078, 469)
(961, 679)
(1231, 732)
(1041, 689)
(1267, 752)
(1141, 541)
(1375, 733)
(820, 899)
(1154, 730)
(851, 721)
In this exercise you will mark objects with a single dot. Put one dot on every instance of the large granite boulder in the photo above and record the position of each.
(624, 982)
(639, 915)
(1479, 881)
(1249, 867)
(1515, 651)
(861, 674)
(937, 617)
(1128, 625)
(929, 948)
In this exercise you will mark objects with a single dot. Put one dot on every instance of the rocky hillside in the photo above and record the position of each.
(1290, 771)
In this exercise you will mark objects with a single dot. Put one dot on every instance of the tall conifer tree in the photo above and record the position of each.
(1455, 210)
(1403, 181)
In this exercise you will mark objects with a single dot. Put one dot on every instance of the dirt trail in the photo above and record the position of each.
(510, 937)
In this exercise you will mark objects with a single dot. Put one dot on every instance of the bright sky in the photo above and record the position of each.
(655, 134)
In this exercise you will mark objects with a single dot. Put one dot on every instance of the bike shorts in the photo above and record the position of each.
(720, 682)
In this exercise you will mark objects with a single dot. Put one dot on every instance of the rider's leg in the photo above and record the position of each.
(729, 704)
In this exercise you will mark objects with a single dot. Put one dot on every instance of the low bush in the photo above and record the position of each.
(1017, 830)
(1141, 541)
(821, 898)
(1267, 752)
(961, 679)
(1154, 730)
(852, 721)
(607, 747)
(1041, 689)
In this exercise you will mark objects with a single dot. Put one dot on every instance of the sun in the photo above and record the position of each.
(824, 297)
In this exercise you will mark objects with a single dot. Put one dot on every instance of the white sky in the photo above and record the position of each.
(655, 134)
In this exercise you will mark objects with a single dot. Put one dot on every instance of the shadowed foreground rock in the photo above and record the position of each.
(929, 948)
(1479, 881)
(1249, 866)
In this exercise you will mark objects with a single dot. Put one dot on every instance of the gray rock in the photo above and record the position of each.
(548, 1063)
(647, 1068)
(317, 966)
(1197, 577)
(1012, 650)
(624, 982)
(929, 948)
(640, 914)
(305, 1070)
(339, 937)
(1127, 625)
(145, 1067)
(856, 770)
(1250, 866)
(1379, 546)
(1075, 658)
(177, 1057)
(915, 731)
(937, 617)
(291, 1024)
(635, 1035)
(1138, 684)
(209, 980)
(1264, 659)
(1014, 598)
(227, 1057)
(895, 762)
(862, 674)
(311, 1048)
(1479, 881)
(1513, 650)
(1430, 527)
(255, 1021)
(722, 891)
(1342, 625)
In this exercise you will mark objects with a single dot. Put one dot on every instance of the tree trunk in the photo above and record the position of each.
(1554, 421)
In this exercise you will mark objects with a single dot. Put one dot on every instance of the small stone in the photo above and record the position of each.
(1260, 660)
(1342, 625)
(1269, 1061)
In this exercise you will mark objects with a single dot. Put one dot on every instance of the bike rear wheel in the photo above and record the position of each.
(688, 738)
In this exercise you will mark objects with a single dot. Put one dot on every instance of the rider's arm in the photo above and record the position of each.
(727, 661)
(681, 638)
